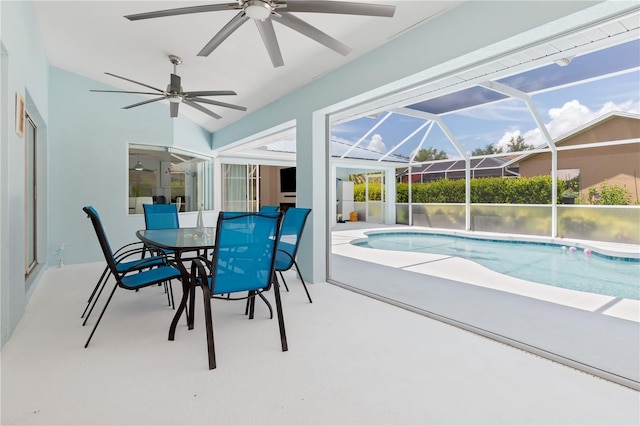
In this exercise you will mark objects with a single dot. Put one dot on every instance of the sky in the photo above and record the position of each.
(562, 110)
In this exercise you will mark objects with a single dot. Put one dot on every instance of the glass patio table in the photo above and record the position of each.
(181, 241)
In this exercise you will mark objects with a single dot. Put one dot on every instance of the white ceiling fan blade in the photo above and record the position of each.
(340, 7)
(145, 102)
(312, 32)
(221, 104)
(133, 81)
(183, 11)
(268, 35)
(225, 32)
(202, 109)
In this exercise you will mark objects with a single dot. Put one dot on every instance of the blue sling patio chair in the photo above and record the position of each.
(292, 226)
(162, 216)
(243, 263)
(264, 209)
(127, 259)
(137, 276)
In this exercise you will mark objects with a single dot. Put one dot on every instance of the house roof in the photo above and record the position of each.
(477, 164)
(594, 123)
(580, 129)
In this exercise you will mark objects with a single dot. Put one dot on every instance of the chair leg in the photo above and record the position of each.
(101, 314)
(283, 334)
(173, 301)
(208, 318)
(250, 299)
(168, 289)
(95, 289)
(283, 280)
(252, 303)
(191, 315)
(264, 299)
(95, 300)
(303, 283)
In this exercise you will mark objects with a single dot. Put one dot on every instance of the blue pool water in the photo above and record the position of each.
(538, 262)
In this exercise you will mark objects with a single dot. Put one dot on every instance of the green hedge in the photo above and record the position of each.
(360, 188)
(533, 190)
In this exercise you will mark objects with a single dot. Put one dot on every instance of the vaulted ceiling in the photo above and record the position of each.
(93, 37)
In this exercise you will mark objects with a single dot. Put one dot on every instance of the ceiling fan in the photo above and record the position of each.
(264, 11)
(175, 95)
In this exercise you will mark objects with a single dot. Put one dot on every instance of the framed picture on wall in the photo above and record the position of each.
(20, 118)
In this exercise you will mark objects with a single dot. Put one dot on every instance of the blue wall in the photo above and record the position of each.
(89, 136)
(24, 70)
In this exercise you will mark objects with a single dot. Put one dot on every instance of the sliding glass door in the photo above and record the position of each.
(240, 187)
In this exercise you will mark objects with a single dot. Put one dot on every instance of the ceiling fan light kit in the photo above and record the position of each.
(257, 9)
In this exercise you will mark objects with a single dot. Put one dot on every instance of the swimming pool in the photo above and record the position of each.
(545, 263)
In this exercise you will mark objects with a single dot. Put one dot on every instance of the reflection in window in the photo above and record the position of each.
(160, 175)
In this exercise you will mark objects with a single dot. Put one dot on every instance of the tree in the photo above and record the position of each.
(430, 154)
(487, 150)
(609, 195)
(518, 144)
(358, 178)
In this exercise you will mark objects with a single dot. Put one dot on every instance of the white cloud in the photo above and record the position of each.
(567, 118)
(506, 138)
(376, 144)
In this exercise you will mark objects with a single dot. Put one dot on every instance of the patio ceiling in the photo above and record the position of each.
(90, 38)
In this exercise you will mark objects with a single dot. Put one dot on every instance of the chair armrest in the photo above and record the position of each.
(147, 263)
(128, 250)
(287, 253)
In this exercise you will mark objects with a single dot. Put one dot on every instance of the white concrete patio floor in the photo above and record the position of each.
(351, 360)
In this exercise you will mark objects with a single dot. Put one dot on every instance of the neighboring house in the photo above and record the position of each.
(618, 164)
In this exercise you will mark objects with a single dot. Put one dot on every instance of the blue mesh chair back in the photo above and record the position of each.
(293, 224)
(243, 262)
(102, 236)
(265, 209)
(138, 274)
(160, 216)
(243, 259)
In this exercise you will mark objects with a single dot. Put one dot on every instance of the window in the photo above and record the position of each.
(161, 175)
